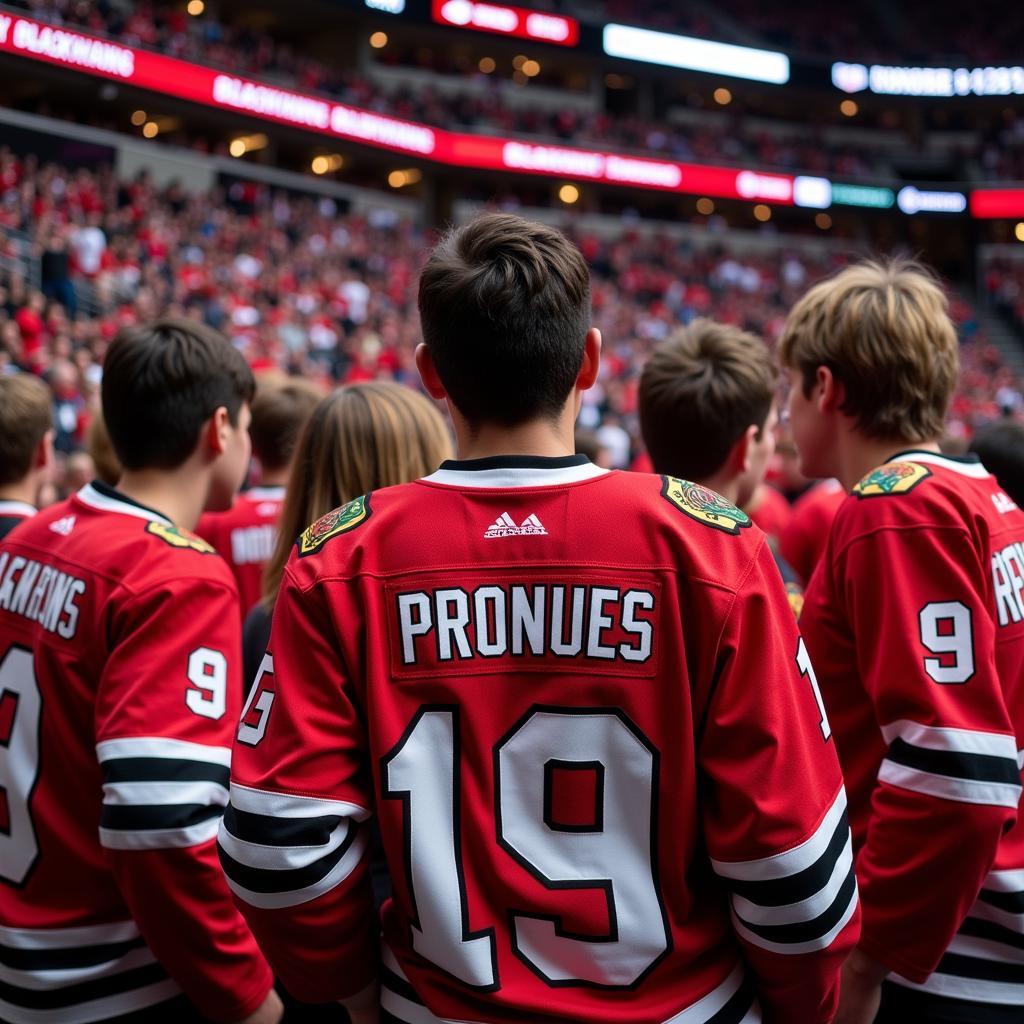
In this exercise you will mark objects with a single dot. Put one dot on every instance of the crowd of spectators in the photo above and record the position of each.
(303, 287)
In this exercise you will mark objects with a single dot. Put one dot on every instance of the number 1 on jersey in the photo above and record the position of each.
(803, 662)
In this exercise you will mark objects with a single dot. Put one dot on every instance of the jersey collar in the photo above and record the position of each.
(274, 493)
(17, 508)
(101, 496)
(515, 471)
(965, 465)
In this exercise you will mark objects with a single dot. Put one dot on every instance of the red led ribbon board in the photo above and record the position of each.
(502, 20)
(989, 203)
(196, 83)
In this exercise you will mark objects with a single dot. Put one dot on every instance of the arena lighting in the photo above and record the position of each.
(695, 54)
(868, 196)
(386, 6)
(912, 200)
(988, 203)
(507, 21)
(815, 193)
(890, 80)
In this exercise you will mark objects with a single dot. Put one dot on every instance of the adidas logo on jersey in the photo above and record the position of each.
(63, 526)
(505, 526)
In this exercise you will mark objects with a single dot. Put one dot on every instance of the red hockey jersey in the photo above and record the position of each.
(119, 697)
(915, 621)
(245, 536)
(578, 704)
(802, 541)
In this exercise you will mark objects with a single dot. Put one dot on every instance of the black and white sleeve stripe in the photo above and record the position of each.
(955, 764)
(800, 899)
(279, 850)
(161, 793)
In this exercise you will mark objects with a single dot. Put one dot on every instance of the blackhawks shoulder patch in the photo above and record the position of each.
(341, 520)
(704, 505)
(892, 478)
(179, 538)
(796, 599)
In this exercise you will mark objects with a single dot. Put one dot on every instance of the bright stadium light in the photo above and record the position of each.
(695, 54)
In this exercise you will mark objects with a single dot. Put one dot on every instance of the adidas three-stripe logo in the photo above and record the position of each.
(505, 526)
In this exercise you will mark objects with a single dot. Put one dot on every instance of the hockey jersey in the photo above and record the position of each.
(578, 704)
(119, 697)
(915, 622)
(802, 541)
(13, 513)
(245, 536)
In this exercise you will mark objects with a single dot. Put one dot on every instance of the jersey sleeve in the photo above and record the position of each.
(775, 808)
(949, 784)
(294, 841)
(166, 709)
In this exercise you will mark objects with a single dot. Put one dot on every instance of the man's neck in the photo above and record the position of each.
(177, 494)
(274, 478)
(727, 487)
(24, 490)
(860, 455)
(538, 437)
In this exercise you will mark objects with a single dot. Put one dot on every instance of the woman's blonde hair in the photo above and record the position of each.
(358, 439)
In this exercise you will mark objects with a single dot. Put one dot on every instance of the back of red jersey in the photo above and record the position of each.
(916, 624)
(118, 690)
(538, 675)
(245, 536)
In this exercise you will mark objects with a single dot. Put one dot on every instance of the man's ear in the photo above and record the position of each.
(739, 455)
(591, 365)
(829, 392)
(42, 458)
(428, 373)
(217, 431)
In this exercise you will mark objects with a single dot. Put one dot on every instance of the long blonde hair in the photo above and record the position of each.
(359, 438)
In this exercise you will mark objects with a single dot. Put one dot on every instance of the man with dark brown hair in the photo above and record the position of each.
(536, 674)
(708, 414)
(26, 446)
(245, 534)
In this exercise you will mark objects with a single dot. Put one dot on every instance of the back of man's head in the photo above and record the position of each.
(279, 412)
(699, 393)
(161, 382)
(26, 414)
(883, 329)
(1001, 448)
(505, 309)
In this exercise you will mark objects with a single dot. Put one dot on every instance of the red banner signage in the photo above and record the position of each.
(988, 203)
(172, 77)
(540, 26)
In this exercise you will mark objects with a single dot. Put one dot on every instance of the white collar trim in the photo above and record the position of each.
(273, 493)
(509, 477)
(971, 469)
(88, 495)
(17, 508)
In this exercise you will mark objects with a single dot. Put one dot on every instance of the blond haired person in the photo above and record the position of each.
(358, 439)
(26, 446)
(915, 624)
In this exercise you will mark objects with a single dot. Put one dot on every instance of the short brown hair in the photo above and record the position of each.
(26, 414)
(161, 382)
(359, 438)
(279, 412)
(505, 308)
(699, 392)
(883, 329)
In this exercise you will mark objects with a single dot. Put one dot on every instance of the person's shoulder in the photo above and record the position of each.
(919, 490)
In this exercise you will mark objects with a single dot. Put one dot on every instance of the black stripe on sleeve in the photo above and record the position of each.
(1011, 902)
(391, 981)
(808, 931)
(267, 880)
(145, 817)
(984, 970)
(780, 892)
(83, 992)
(978, 928)
(66, 959)
(164, 769)
(267, 831)
(956, 765)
